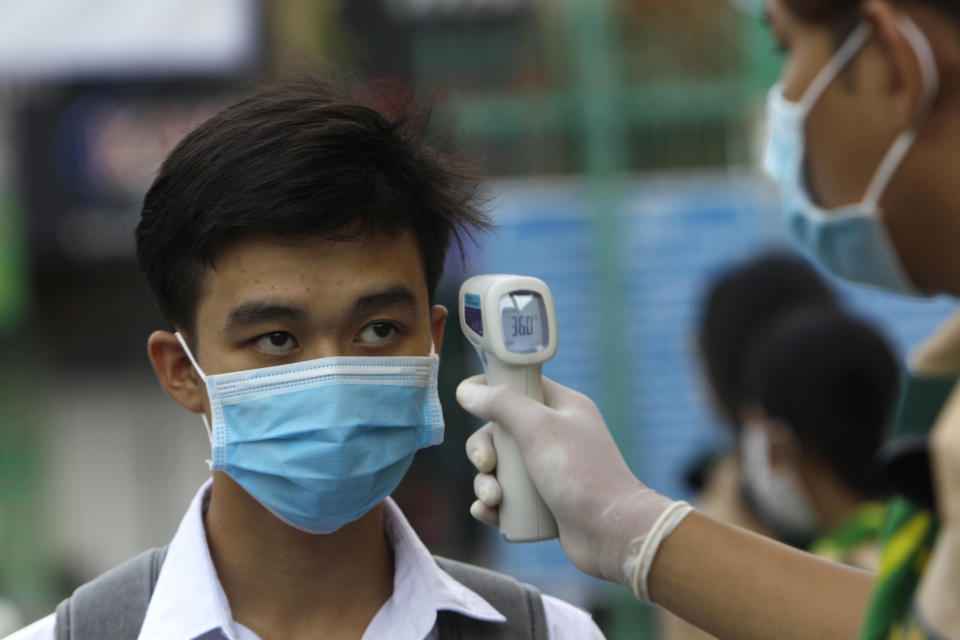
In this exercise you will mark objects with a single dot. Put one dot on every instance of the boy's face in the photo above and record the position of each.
(269, 300)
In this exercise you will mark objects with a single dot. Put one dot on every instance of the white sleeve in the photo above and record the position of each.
(567, 622)
(42, 629)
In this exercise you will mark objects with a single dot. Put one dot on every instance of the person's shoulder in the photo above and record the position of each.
(42, 629)
(563, 620)
(566, 622)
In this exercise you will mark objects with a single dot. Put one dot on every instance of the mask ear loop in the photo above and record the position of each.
(840, 59)
(186, 349)
(931, 86)
(206, 423)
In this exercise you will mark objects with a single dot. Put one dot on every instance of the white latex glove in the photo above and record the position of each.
(610, 523)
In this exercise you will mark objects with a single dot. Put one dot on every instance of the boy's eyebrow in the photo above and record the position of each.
(251, 313)
(256, 312)
(396, 295)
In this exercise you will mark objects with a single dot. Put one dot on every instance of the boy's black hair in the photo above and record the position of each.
(740, 303)
(833, 380)
(297, 159)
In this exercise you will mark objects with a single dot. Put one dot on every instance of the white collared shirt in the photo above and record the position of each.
(189, 603)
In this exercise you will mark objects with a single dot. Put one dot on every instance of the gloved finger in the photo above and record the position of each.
(484, 514)
(513, 410)
(556, 396)
(480, 378)
(487, 490)
(552, 391)
(480, 449)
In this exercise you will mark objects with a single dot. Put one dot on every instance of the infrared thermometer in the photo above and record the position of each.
(511, 322)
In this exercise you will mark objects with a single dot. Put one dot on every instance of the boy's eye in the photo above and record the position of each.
(377, 333)
(276, 342)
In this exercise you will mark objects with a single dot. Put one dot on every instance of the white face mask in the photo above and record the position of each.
(777, 493)
(850, 241)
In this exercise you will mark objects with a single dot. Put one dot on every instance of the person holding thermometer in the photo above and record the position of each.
(864, 139)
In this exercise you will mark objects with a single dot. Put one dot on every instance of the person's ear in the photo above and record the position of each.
(177, 375)
(784, 446)
(751, 413)
(438, 319)
(902, 84)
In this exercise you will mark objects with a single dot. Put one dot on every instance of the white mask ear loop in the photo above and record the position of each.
(840, 59)
(209, 431)
(186, 349)
(206, 423)
(931, 86)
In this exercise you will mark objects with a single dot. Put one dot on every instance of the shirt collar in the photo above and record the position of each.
(420, 587)
(189, 601)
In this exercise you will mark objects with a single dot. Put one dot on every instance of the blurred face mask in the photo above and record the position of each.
(849, 241)
(777, 493)
(320, 443)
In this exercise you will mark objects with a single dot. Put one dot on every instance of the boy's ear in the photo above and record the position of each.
(784, 445)
(177, 375)
(438, 319)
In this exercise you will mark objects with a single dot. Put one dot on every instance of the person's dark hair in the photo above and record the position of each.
(739, 304)
(843, 15)
(822, 11)
(832, 379)
(298, 159)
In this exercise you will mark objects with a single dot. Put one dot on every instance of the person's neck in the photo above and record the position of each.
(832, 501)
(284, 583)
(928, 228)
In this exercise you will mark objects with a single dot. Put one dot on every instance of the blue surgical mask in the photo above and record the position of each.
(850, 241)
(320, 443)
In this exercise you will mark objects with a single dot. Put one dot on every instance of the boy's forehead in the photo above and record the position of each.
(311, 269)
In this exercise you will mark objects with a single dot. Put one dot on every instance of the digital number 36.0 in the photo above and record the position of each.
(522, 326)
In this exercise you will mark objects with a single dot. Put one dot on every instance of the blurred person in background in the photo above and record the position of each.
(739, 305)
(814, 392)
(820, 387)
(294, 242)
(863, 143)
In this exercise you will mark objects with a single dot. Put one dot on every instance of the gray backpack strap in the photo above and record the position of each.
(520, 603)
(113, 606)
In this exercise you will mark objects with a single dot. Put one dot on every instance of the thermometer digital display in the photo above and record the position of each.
(524, 322)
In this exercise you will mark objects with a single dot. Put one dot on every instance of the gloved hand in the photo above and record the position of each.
(610, 523)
